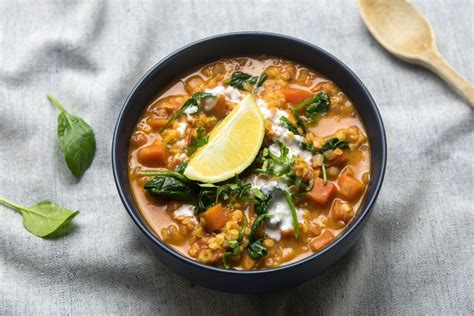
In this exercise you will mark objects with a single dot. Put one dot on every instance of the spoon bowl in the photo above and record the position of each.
(401, 29)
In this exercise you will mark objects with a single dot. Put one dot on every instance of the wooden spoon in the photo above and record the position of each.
(399, 27)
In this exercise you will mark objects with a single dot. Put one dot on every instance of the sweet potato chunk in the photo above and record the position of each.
(321, 241)
(219, 110)
(155, 155)
(350, 188)
(321, 193)
(295, 96)
(215, 217)
(341, 212)
(157, 123)
(194, 84)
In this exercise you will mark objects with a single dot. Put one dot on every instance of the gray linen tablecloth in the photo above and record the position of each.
(415, 256)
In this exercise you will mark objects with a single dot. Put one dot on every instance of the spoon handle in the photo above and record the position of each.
(436, 62)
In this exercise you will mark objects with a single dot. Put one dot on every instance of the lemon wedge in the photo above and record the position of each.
(232, 146)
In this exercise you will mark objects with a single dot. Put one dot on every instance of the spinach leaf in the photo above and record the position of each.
(234, 245)
(334, 143)
(180, 169)
(211, 194)
(171, 185)
(289, 126)
(206, 198)
(257, 223)
(308, 147)
(260, 80)
(263, 201)
(76, 139)
(198, 141)
(244, 81)
(192, 101)
(44, 218)
(311, 107)
(257, 250)
(234, 250)
(291, 204)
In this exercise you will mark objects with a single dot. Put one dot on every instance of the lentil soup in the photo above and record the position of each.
(302, 189)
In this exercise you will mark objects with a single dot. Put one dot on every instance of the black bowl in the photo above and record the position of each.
(244, 44)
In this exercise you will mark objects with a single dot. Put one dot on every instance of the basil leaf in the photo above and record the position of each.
(289, 200)
(257, 250)
(172, 186)
(334, 143)
(76, 139)
(44, 218)
(198, 141)
(192, 101)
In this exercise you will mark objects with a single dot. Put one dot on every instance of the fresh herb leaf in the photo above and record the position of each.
(198, 141)
(192, 101)
(44, 218)
(171, 185)
(334, 143)
(244, 81)
(291, 204)
(257, 250)
(282, 167)
(76, 139)
(292, 128)
(275, 165)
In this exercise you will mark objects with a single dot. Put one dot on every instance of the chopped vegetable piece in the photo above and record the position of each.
(321, 193)
(157, 123)
(219, 110)
(341, 212)
(215, 217)
(155, 155)
(350, 188)
(296, 96)
(321, 241)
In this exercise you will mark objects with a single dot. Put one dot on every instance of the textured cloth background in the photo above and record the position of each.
(415, 255)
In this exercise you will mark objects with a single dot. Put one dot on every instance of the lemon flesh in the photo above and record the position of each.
(232, 146)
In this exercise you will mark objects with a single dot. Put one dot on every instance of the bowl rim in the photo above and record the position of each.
(133, 212)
